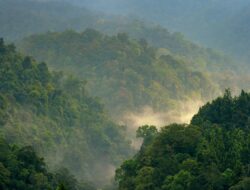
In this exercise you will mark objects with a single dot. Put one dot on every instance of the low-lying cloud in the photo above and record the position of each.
(183, 113)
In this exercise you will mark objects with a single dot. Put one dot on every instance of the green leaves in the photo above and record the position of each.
(147, 133)
(226, 111)
(144, 179)
(54, 113)
(21, 168)
(181, 181)
(214, 154)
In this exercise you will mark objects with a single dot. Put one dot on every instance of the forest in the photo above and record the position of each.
(54, 114)
(133, 72)
(210, 153)
(124, 95)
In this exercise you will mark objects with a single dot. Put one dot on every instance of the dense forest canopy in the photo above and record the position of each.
(54, 114)
(210, 153)
(32, 17)
(134, 73)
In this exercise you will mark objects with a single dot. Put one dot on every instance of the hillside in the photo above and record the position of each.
(217, 24)
(132, 72)
(23, 18)
(199, 20)
(210, 153)
(160, 37)
(54, 114)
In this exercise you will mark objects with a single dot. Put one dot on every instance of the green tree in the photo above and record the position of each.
(145, 179)
(181, 181)
(244, 184)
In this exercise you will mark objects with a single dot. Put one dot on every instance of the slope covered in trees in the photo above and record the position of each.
(21, 18)
(29, 17)
(217, 24)
(132, 72)
(225, 111)
(210, 153)
(54, 114)
(160, 37)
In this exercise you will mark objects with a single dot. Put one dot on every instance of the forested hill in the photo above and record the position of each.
(218, 24)
(227, 111)
(132, 72)
(54, 114)
(210, 153)
(22, 18)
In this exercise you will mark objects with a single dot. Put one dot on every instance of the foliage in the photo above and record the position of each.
(217, 24)
(22, 18)
(210, 153)
(226, 111)
(133, 73)
(21, 168)
(55, 115)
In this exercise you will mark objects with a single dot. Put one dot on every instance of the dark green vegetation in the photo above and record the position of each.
(54, 114)
(210, 153)
(22, 169)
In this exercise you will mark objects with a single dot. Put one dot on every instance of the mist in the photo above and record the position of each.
(183, 113)
(211, 23)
